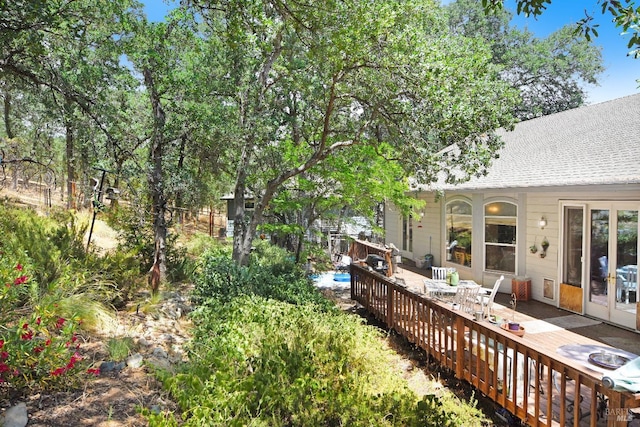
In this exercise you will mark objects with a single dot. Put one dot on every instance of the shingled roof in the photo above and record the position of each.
(592, 145)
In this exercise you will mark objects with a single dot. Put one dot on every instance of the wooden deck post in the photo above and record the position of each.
(459, 344)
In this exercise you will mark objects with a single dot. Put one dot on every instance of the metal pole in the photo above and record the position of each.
(96, 205)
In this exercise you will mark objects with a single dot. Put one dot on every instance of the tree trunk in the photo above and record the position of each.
(157, 274)
(71, 172)
(179, 193)
(7, 115)
(242, 237)
(10, 135)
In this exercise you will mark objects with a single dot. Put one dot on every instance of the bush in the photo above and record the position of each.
(264, 362)
(201, 243)
(52, 247)
(49, 289)
(137, 239)
(38, 349)
(23, 231)
(271, 274)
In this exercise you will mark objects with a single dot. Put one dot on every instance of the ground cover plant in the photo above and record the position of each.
(264, 356)
(51, 291)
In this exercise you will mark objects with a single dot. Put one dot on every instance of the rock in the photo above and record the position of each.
(111, 366)
(160, 353)
(107, 367)
(16, 416)
(168, 338)
(143, 342)
(135, 361)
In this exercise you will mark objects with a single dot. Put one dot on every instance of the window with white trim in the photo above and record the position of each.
(500, 219)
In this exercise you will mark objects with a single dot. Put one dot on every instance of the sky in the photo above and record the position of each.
(621, 71)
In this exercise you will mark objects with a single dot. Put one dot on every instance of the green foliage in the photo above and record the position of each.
(137, 239)
(120, 348)
(318, 255)
(61, 267)
(160, 419)
(269, 350)
(272, 273)
(263, 362)
(549, 73)
(50, 288)
(37, 237)
(201, 243)
(38, 349)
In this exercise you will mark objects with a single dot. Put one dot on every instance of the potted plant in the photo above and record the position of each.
(513, 326)
(545, 246)
(533, 248)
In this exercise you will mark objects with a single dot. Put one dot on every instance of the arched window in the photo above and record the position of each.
(458, 223)
(500, 220)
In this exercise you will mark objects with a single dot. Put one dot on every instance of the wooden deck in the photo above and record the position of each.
(527, 375)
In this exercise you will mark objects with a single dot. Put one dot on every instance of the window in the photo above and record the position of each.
(458, 244)
(500, 236)
(407, 233)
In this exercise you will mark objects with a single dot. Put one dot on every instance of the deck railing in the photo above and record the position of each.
(540, 389)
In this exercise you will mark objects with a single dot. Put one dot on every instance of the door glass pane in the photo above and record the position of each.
(599, 256)
(627, 261)
(572, 271)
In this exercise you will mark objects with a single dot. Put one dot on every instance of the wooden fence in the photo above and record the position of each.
(533, 384)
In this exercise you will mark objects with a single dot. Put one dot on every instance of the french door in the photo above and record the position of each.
(612, 262)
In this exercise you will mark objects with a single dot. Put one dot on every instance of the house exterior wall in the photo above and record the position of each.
(532, 205)
(424, 228)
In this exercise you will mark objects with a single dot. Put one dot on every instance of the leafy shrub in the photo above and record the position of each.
(38, 349)
(263, 362)
(137, 238)
(23, 231)
(55, 249)
(271, 274)
(47, 293)
(201, 243)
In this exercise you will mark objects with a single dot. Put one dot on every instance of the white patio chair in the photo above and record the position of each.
(439, 273)
(626, 283)
(466, 298)
(486, 301)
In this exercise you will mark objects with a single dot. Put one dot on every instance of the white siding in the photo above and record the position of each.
(532, 205)
(423, 228)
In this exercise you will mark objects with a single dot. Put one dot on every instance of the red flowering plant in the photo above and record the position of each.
(38, 348)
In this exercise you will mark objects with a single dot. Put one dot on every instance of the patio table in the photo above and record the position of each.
(440, 288)
(455, 295)
(580, 353)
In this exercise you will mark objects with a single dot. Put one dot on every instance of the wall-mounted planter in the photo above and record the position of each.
(545, 246)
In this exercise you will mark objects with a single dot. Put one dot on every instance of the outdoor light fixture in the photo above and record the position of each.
(542, 223)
